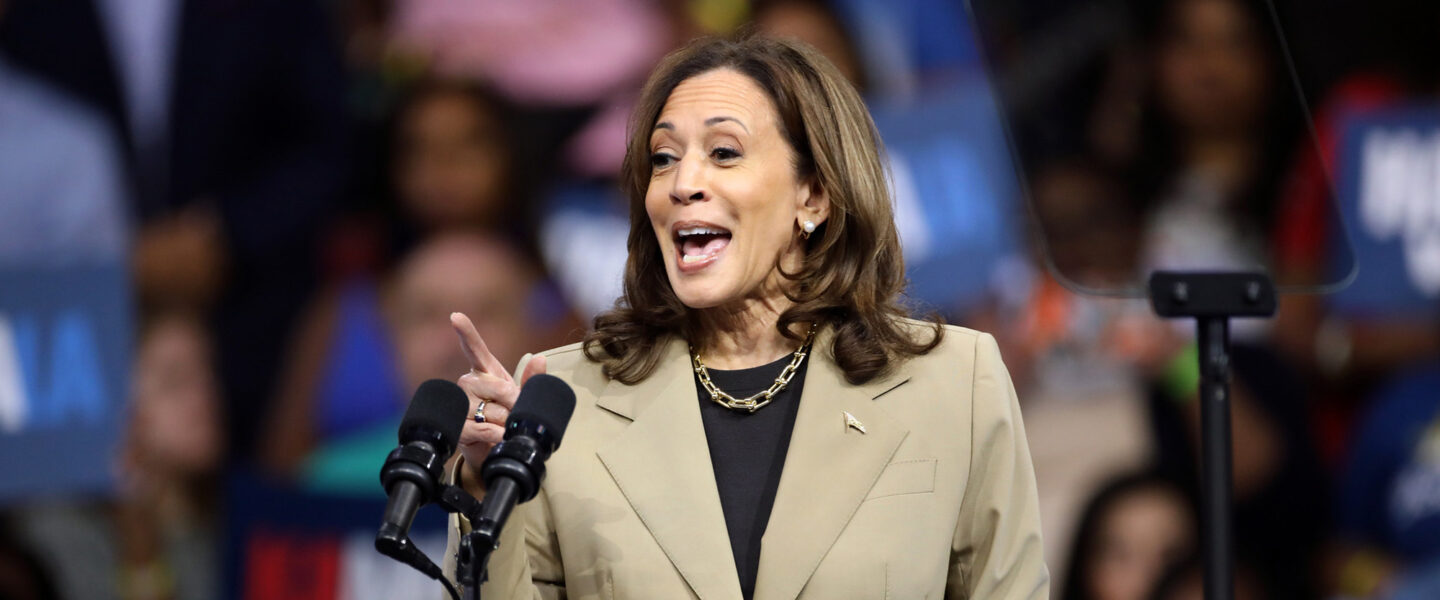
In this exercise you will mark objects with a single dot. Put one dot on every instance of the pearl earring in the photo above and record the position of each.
(807, 229)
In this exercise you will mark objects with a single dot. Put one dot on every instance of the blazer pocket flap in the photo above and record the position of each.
(911, 476)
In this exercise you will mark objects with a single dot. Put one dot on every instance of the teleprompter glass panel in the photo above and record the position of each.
(1163, 134)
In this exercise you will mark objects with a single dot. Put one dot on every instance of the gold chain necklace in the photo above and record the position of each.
(759, 400)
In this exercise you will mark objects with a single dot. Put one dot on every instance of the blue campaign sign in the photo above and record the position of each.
(65, 337)
(955, 192)
(1388, 184)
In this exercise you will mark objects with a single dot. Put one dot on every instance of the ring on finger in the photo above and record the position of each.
(480, 412)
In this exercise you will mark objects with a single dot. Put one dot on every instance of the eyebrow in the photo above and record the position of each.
(710, 122)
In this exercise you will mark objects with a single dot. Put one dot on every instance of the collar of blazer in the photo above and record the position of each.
(662, 465)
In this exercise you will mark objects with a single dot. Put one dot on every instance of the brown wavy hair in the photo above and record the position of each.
(852, 275)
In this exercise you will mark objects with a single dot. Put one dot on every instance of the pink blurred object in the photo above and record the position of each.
(554, 52)
(599, 147)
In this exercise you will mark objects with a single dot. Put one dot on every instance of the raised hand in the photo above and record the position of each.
(487, 381)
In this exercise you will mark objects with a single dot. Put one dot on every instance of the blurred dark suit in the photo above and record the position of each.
(257, 130)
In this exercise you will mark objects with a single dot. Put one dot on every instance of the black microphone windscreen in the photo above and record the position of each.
(546, 400)
(438, 406)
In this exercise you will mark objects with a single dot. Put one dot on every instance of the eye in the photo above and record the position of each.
(660, 160)
(723, 153)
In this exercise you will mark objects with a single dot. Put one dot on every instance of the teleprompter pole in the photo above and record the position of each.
(1216, 460)
(1212, 299)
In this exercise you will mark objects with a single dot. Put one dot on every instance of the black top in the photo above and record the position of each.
(747, 451)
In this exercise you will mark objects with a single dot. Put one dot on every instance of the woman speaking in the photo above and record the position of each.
(757, 417)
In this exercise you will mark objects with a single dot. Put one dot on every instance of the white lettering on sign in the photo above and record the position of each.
(1400, 198)
(13, 403)
(50, 372)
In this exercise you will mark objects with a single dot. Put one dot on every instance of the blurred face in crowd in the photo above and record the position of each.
(810, 22)
(1089, 234)
(724, 197)
(452, 161)
(480, 276)
(1212, 67)
(1140, 535)
(176, 411)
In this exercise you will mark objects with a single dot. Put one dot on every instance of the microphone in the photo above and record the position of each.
(412, 474)
(514, 469)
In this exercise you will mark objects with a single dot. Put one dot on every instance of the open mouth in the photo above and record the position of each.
(701, 243)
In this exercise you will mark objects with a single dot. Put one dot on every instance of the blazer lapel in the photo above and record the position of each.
(830, 468)
(661, 464)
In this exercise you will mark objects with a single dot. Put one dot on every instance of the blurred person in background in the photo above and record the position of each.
(1075, 356)
(364, 348)
(450, 163)
(64, 209)
(1388, 506)
(51, 216)
(1379, 135)
(456, 196)
(1208, 153)
(1208, 149)
(1371, 348)
(356, 357)
(1213, 140)
(1135, 528)
(235, 130)
(1090, 234)
(453, 162)
(572, 104)
(157, 536)
(166, 515)
(1281, 492)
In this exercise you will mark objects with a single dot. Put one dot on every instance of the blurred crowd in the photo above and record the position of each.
(301, 191)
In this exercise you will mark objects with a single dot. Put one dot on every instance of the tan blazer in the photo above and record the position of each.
(934, 499)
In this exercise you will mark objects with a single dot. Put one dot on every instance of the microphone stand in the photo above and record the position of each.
(1212, 299)
(473, 557)
(513, 471)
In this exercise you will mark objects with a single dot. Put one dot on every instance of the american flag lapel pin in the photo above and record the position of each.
(853, 423)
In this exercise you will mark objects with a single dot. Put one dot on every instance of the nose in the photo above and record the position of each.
(689, 182)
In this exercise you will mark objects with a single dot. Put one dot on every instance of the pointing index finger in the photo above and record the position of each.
(476, 352)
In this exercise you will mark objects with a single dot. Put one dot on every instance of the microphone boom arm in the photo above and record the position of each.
(519, 460)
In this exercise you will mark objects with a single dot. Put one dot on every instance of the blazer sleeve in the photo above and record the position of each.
(997, 551)
(526, 564)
